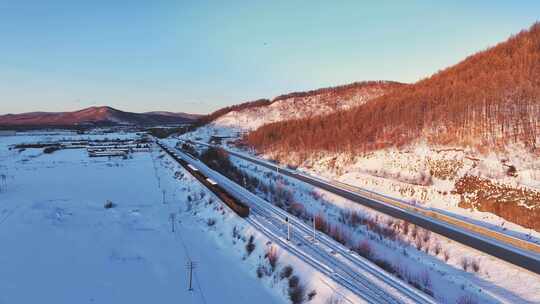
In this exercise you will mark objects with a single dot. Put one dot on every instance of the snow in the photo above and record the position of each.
(405, 174)
(286, 109)
(421, 174)
(312, 279)
(496, 281)
(60, 243)
(447, 279)
(235, 123)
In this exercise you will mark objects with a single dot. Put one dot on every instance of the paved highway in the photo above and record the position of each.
(518, 252)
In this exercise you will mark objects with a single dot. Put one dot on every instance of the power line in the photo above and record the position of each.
(200, 289)
(186, 252)
(336, 291)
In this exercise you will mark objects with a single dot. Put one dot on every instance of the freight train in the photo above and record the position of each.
(238, 207)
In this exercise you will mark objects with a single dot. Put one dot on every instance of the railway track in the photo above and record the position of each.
(346, 268)
(510, 249)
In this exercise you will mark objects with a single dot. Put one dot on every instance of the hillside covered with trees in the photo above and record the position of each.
(489, 100)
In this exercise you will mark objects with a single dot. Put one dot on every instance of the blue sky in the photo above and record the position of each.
(197, 56)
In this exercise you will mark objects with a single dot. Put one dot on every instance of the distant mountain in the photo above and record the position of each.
(176, 114)
(490, 100)
(94, 116)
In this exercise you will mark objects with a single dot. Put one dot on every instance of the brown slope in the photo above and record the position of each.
(490, 99)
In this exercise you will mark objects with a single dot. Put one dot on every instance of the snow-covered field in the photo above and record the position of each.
(60, 245)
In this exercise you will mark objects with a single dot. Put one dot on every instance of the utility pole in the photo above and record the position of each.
(314, 231)
(172, 217)
(288, 228)
(190, 266)
(3, 185)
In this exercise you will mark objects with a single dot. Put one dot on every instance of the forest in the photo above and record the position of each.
(341, 90)
(489, 100)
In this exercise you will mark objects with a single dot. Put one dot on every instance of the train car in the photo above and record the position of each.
(237, 206)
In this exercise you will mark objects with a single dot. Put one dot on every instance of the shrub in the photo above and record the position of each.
(286, 272)
(235, 233)
(189, 149)
(356, 219)
(425, 280)
(315, 195)
(475, 264)
(426, 236)
(311, 295)
(337, 234)
(272, 256)
(437, 248)
(419, 244)
(511, 171)
(296, 209)
(464, 262)
(364, 249)
(282, 194)
(466, 299)
(210, 222)
(297, 294)
(414, 231)
(446, 255)
(109, 205)
(385, 265)
(405, 227)
(51, 149)
(260, 271)
(250, 246)
(320, 223)
(294, 281)
(334, 300)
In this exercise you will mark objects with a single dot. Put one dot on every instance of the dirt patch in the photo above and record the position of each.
(517, 205)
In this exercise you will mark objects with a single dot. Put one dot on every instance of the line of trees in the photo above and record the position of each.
(341, 89)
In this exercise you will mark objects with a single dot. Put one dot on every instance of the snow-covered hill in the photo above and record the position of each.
(93, 116)
(294, 107)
